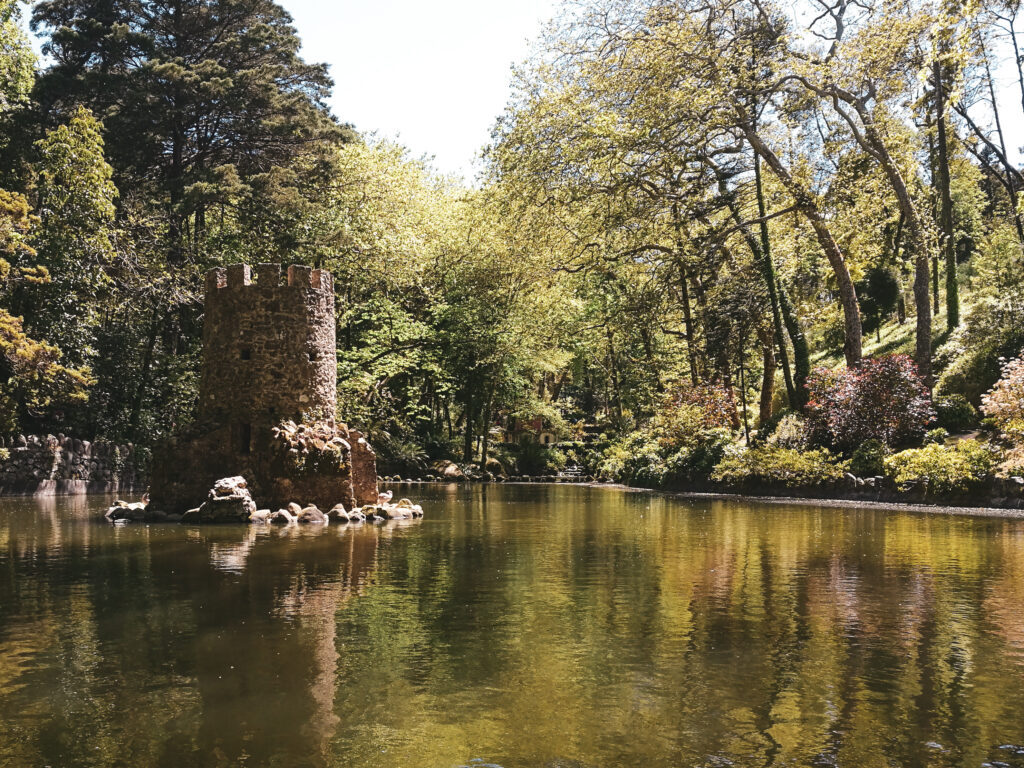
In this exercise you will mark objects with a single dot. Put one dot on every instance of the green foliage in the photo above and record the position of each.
(210, 113)
(941, 468)
(535, 459)
(776, 466)
(32, 377)
(878, 293)
(17, 61)
(955, 414)
(791, 432)
(75, 240)
(937, 436)
(868, 460)
(587, 456)
(993, 325)
(681, 445)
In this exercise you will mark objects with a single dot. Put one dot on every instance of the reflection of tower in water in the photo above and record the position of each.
(266, 653)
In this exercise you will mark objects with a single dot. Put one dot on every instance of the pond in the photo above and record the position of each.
(558, 626)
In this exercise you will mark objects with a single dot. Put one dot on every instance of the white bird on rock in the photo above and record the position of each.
(384, 498)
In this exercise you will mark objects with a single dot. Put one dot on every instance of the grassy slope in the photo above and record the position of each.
(895, 338)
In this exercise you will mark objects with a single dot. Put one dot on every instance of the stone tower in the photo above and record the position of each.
(268, 348)
(269, 358)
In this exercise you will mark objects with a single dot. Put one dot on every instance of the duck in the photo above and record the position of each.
(384, 498)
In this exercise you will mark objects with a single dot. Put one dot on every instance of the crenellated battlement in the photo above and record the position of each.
(268, 276)
(268, 344)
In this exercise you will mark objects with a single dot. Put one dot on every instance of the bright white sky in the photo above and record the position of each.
(433, 74)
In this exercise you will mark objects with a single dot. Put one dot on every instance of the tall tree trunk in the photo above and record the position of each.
(853, 344)
(144, 375)
(613, 369)
(485, 431)
(725, 375)
(1008, 167)
(767, 379)
(467, 447)
(1016, 55)
(801, 351)
(743, 399)
(923, 343)
(783, 315)
(684, 293)
(872, 141)
(948, 241)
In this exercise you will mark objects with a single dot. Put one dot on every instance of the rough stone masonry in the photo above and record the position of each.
(267, 399)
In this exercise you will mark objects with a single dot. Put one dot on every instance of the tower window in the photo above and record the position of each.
(246, 353)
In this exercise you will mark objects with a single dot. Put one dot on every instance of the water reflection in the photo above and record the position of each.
(515, 626)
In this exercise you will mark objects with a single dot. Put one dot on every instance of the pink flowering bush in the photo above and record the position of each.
(881, 399)
(1004, 403)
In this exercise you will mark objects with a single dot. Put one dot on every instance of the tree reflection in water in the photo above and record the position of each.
(520, 626)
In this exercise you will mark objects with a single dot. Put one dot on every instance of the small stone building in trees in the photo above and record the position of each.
(267, 399)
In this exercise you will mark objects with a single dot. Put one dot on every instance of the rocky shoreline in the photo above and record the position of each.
(230, 501)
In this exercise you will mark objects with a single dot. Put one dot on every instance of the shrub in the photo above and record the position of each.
(942, 468)
(992, 328)
(681, 445)
(869, 459)
(586, 456)
(936, 437)
(790, 433)
(880, 399)
(955, 413)
(772, 465)
(766, 428)
(1012, 464)
(696, 462)
(4, 454)
(1004, 403)
(537, 459)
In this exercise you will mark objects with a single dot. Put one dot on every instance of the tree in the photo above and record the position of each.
(17, 62)
(200, 99)
(75, 239)
(32, 378)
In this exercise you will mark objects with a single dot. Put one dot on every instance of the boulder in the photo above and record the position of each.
(282, 517)
(338, 514)
(452, 472)
(294, 509)
(134, 512)
(261, 517)
(312, 516)
(229, 502)
(356, 516)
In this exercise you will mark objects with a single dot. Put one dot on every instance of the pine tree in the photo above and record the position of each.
(198, 98)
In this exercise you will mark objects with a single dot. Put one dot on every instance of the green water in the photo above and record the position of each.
(514, 626)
